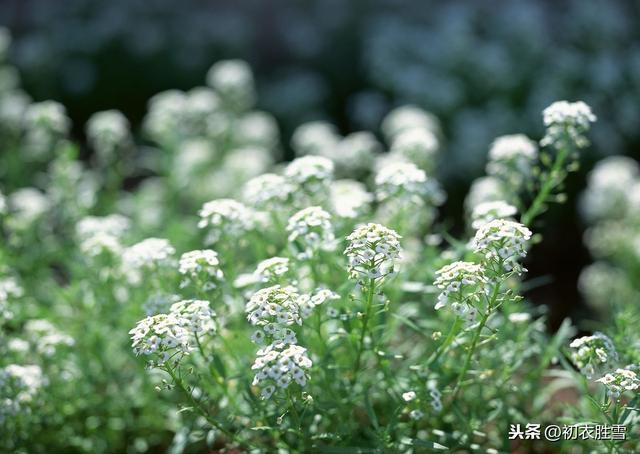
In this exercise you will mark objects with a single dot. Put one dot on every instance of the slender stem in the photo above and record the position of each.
(474, 342)
(447, 341)
(365, 322)
(547, 186)
(294, 410)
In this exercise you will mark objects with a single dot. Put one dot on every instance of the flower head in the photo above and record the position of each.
(373, 251)
(310, 230)
(268, 191)
(147, 254)
(620, 381)
(593, 354)
(274, 306)
(511, 159)
(404, 182)
(164, 336)
(310, 176)
(278, 367)
(416, 145)
(225, 217)
(460, 284)
(194, 315)
(349, 198)
(490, 211)
(201, 265)
(233, 81)
(272, 269)
(566, 124)
(502, 242)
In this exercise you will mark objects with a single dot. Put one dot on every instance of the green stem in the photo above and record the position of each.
(474, 342)
(365, 322)
(547, 186)
(447, 341)
(294, 411)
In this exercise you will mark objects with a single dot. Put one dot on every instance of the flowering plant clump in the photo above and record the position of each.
(337, 309)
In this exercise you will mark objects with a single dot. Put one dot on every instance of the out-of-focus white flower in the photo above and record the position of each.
(408, 117)
(147, 254)
(416, 145)
(355, 154)
(484, 189)
(314, 138)
(106, 131)
(233, 81)
(311, 177)
(349, 198)
(256, 129)
(268, 191)
(511, 159)
(113, 224)
(489, 211)
(45, 123)
(28, 204)
(608, 189)
(278, 367)
(225, 217)
(404, 182)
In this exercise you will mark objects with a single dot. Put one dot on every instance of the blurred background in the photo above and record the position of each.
(484, 68)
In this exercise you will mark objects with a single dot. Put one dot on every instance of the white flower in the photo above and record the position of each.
(405, 118)
(270, 270)
(28, 204)
(226, 217)
(194, 315)
(502, 242)
(113, 224)
(416, 415)
(409, 396)
(461, 284)
(23, 381)
(268, 191)
(274, 306)
(148, 253)
(566, 124)
(373, 251)
(45, 122)
(489, 211)
(162, 335)
(201, 264)
(233, 81)
(511, 159)
(314, 138)
(484, 189)
(310, 231)
(108, 130)
(278, 367)
(308, 302)
(349, 198)
(355, 154)
(593, 354)
(311, 176)
(620, 381)
(416, 145)
(608, 193)
(404, 182)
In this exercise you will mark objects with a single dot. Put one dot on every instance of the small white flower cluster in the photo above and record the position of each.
(102, 234)
(373, 251)
(461, 285)
(233, 81)
(268, 192)
(45, 123)
(620, 381)
(19, 385)
(171, 335)
(609, 193)
(277, 366)
(314, 137)
(404, 182)
(201, 266)
(349, 198)
(502, 243)
(273, 308)
(45, 337)
(416, 145)
(436, 396)
(9, 288)
(146, 255)
(226, 217)
(107, 131)
(406, 118)
(27, 205)
(308, 302)
(566, 124)
(511, 160)
(311, 176)
(593, 354)
(310, 231)
(489, 211)
(272, 269)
